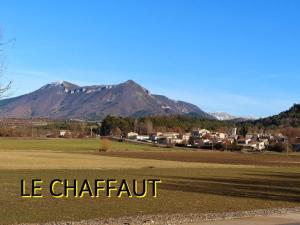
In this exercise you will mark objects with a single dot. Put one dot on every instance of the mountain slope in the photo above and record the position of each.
(226, 116)
(222, 115)
(289, 118)
(64, 100)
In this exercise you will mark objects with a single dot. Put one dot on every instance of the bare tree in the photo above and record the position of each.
(4, 87)
(145, 127)
(149, 126)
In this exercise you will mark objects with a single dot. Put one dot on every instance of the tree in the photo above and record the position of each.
(149, 126)
(244, 131)
(278, 147)
(116, 132)
(135, 125)
(109, 123)
(3, 87)
(291, 132)
(145, 126)
(233, 147)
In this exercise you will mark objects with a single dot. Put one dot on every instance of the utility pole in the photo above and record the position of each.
(287, 147)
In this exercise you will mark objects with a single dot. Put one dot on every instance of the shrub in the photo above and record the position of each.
(234, 147)
(278, 147)
(105, 145)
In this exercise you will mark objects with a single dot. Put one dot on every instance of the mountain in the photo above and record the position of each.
(64, 100)
(288, 118)
(222, 116)
(226, 116)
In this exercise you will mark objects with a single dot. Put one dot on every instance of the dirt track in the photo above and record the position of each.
(285, 216)
(288, 219)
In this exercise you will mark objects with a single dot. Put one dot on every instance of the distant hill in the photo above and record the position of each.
(289, 118)
(226, 116)
(64, 100)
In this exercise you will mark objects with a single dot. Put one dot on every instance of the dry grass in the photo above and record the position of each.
(63, 160)
(193, 182)
(67, 145)
(183, 190)
(229, 158)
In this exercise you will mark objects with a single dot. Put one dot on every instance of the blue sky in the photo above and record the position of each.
(242, 57)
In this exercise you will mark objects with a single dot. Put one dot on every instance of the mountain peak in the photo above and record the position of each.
(227, 116)
(134, 85)
(131, 82)
(64, 100)
(61, 84)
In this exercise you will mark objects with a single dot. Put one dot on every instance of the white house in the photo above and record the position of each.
(62, 133)
(185, 137)
(258, 146)
(200, 132)
(132, 135)
(142, 137)
(222, 135)
(170, 135)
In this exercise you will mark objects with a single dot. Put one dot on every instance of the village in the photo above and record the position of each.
(198, 138)
(210, 140)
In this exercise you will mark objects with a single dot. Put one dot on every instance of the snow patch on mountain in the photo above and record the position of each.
(226, 116)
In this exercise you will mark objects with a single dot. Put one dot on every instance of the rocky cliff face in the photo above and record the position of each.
(64, 100)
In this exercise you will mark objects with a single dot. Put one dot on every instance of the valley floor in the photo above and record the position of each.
(192, 182)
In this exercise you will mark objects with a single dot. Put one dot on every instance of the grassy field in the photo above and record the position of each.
(192, 181)
(212, 157)
(66, 145)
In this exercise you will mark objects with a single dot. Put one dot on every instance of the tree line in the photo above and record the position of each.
(287, 123)
(112, 125)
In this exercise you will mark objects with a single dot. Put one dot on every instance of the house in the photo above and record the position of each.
(249, 136)
(265, 140)
(258, 146)
(169, 141)
(132, 135)
(62, 133)
(185, 137)
(216, 135)
(176, 141)
(170, 135)
(201, 142)
(169, 138)
(222, 136)
(155, 136)
(198, 133)
(213, 135)
(247, 141)
(281, 138)
(142, 137)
